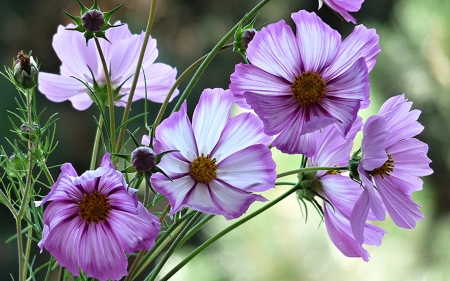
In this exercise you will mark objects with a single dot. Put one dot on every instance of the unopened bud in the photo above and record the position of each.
(25, 71)
(143, 159)
(93, 21)
(246, 37)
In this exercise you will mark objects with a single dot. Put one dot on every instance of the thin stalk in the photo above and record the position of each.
(62, 272)
(24, 204)
(96, 142)
(178, 82)
(126, 113)
(49, 177)
(112, 123)
(174, 246)
(196, 228)
(309, 169)
(28, 246)
(225, 231)
(214, 52)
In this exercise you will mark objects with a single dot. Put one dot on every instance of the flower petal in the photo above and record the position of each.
(210, 117)
(240, 132)
(106, 260)
(250, 169)
(176, 191)
(175, 133)
(274, 49)
(318, 43)
(373, 144)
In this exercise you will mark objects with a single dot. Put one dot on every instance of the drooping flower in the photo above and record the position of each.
(392, 162)
(342, 7)
(299, 84)
(339, 192)
(221, 161)
(83, 62)
(93, 219)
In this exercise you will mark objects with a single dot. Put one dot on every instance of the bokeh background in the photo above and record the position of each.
(277, 245)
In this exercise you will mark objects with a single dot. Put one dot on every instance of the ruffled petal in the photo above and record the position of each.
(373, 145)
(133, 232)
(63, 242)
(210, 117)
(248, 78)
(400, 206)
(240, 132)
(342, 7)
(176, 191)
(251, 169)
(341, 235)
(318, 43)
(231, 201)
(107, 259)
(274, 49)
(175, 133)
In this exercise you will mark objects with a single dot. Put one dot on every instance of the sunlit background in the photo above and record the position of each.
(277, 245)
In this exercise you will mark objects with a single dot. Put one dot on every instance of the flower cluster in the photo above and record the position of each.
(305, 89)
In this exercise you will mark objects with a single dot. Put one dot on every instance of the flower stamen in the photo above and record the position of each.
(203, 169)
(308, 88)
(94, 207)
(386, 169)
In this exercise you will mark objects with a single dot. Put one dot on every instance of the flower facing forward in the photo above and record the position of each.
(299, 84)
(392, 162)
(221, 161)
(343, 7)
(339, 192)
(93, 219)
(83, 62)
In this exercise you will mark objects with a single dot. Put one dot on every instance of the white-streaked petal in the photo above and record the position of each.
(210, 117)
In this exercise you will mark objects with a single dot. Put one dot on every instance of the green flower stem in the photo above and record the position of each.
(96, 142)
(178, 82)
(49, 177)
(174, 246)
(225, 231)
(214, 52)
(126, 113)
(24, 204)
(62, 272)
(196, 228)
(163, 241)
(112, 122)
(310, 169)
(28, 246)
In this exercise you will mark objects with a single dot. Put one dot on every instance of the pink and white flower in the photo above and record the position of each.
(93, 219)
(299, 84)
(392, 162)
(221, 161)
(83, 62)
(343, 7)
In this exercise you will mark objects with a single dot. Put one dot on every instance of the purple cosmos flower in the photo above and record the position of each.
(83, 62)
(298, 84)
(392, 162)
(93, 220)
(221, 162)
(342, 7)
(340, 192)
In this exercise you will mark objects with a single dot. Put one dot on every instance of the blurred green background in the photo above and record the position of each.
(277, 245)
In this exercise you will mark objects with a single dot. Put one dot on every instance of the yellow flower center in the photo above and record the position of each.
(386, 169)
(308, 88)
(94, 207)
(203, 169)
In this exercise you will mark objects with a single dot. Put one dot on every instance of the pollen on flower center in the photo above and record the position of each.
(385, 169)
(203, 169)
(94, 207)
(308, 88)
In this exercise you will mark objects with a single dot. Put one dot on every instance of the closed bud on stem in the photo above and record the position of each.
(25, 71)
(143, 159)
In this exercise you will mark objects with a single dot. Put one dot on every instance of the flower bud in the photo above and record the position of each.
(28, 132)
(25, 71)
(93, 21)
(143, 159)
(246, 37)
